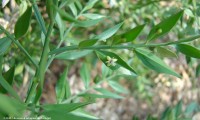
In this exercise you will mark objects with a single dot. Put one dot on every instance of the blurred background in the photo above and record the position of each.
(148, 94)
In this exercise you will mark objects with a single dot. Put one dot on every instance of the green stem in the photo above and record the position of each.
(131, 46)
(19, 46)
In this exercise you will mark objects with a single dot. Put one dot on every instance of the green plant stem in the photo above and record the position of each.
(19, 46)
(131, 46)
(62, 40)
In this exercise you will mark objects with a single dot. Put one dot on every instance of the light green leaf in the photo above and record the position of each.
(11, 107)
(22, 24)
(90, 4)
(73, 9)
(88, 23)
(108, 93)
(153, 62)
(109, 32)
(103, 55)
(4, 45)
(164, 26)
(85, 75)
(188, 50)
(60, 24)
(93, 16)
(73, 55)
(64, 107)
(164, 52)
(83, 113)
(117, 87)
(188, 12)
(9, 88)
(62, 87)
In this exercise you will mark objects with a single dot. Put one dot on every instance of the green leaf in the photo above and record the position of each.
(120, 62)
(60, 25)
(90, 4)
(83, 113)
(4, 45)
(65, 16)
(61, 115)
(62, 87)
(108, 93)
(87, 43)
(9, 77)
(164, 26)
(109, 32)
(73, 9)
(117, 87)
(198, 71)
(129, 35)
(85, 75)
(73, 55)
(188, 50)
(178, 109)
(50, 10)
(153, 62)
(93, 16)
(88, 23)
(9, 88)
(164, 52)
(11, 107)
(64, 107)
(22, 24)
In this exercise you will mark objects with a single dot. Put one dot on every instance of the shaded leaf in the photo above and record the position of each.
(153, 62)
(61, 87)
(188, 50)
(4, 45)
(22, 24)
(164, 26)
(8, 88)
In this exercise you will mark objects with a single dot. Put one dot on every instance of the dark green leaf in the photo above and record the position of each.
(87, 43)
(198, 71)
(72, 55)
(129, 35)
(103, 55)
(188, 50)
(178, 109)
(22, 24)
(9, 88)
(62, 87)
(164, 26)
(164, 52)
(4, 45)
(9, 77)
(153, 62)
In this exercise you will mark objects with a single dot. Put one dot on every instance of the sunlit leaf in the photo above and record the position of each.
(108, 93)
(164, 52)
